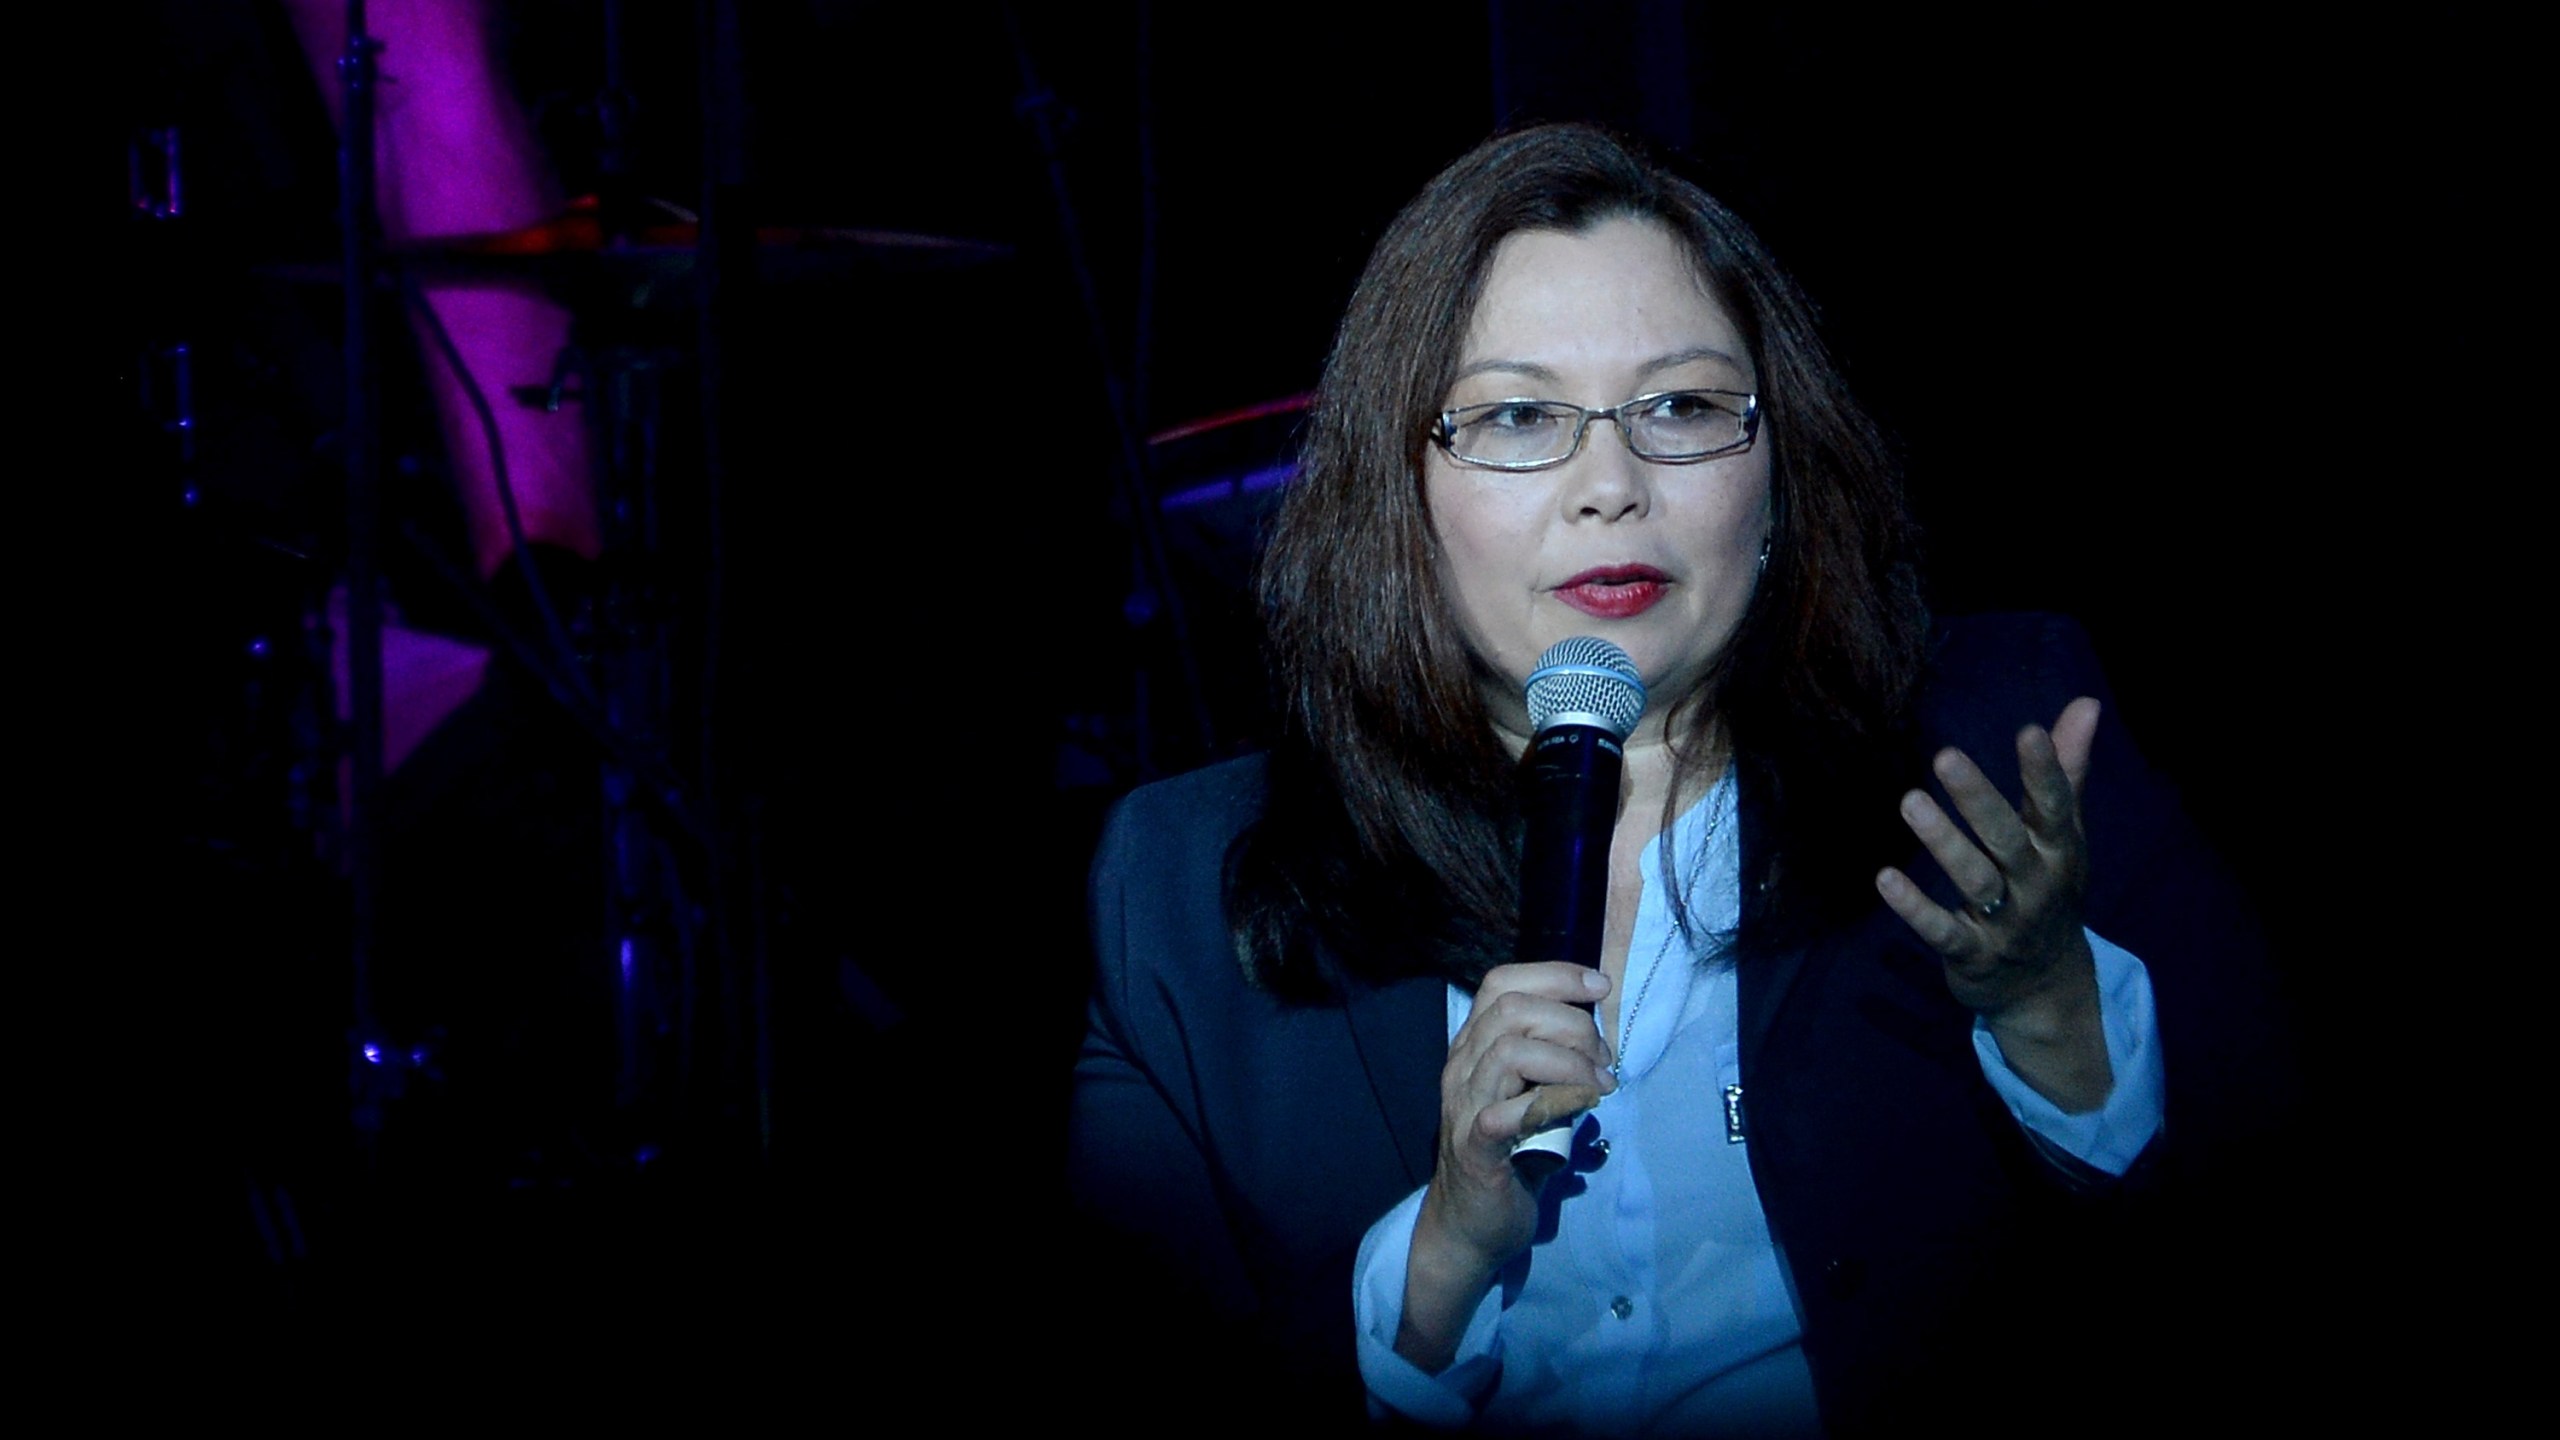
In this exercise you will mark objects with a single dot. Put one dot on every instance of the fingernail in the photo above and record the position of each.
(1595, 983)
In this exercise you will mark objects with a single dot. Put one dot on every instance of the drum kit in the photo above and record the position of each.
(611, 661)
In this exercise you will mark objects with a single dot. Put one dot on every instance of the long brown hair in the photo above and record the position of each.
(1388, 846)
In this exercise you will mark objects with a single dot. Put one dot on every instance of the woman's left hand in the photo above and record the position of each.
(2017, 954)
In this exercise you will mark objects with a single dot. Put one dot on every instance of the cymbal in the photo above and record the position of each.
(572, 247)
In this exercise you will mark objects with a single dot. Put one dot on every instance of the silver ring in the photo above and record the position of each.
(1990, 909)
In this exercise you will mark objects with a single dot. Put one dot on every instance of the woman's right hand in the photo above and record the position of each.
(1528, 1028)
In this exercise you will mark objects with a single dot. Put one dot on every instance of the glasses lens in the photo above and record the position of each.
(1686, 424)
(1513, 432)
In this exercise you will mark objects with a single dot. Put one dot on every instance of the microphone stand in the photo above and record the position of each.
(1039, 106)
(375, 1071)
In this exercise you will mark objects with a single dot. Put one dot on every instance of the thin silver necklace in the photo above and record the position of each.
(1697, 870)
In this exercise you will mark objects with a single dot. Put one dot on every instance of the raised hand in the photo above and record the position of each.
(2016, 953)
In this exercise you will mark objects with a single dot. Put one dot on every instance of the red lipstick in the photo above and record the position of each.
(1614, 592)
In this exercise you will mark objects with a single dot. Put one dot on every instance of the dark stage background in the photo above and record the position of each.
(2104, 284)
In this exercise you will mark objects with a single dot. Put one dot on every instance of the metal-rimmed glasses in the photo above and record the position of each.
(1670, 427)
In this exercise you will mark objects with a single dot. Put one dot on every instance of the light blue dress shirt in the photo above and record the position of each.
(1660, 1304)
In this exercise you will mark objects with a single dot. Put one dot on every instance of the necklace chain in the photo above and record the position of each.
(1697, 870)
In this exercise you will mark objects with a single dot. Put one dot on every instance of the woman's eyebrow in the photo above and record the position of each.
(1530, 368)
(1696, 353)
(1545, 375)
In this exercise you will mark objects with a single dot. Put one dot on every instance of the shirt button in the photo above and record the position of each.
(1622, 1307)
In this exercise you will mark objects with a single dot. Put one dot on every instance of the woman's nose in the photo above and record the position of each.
(1607, 480)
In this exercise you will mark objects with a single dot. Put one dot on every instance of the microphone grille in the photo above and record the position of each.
(1585, 681)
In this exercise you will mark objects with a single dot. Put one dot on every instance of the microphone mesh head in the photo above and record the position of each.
(1585, 681)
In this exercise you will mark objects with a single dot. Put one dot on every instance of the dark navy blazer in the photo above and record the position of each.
(1240, 1146)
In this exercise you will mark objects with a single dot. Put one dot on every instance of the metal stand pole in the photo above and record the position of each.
(375, 1071)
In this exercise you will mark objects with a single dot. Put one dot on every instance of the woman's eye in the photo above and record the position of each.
(1683, 408)
(1520, 416)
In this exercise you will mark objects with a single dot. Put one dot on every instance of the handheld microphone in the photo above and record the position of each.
(1584, 700)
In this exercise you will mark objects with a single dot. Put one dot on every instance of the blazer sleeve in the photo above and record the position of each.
(1138, 1163)
(1229, 1149)
(1198, 1161)
(1139, 1171)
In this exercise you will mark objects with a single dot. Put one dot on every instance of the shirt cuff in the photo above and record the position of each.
(1450, 1398)
(2111, 1136)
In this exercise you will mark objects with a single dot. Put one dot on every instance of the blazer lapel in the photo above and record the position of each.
(1764, 979)
(1401, 1033)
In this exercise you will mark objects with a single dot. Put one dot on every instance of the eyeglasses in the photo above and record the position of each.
(1672, 427)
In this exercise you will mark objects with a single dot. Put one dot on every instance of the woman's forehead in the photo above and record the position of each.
(1621, 298)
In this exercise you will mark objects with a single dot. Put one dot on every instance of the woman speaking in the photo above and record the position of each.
(1909, 978)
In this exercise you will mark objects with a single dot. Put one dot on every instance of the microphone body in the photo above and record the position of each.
(1584, 699)
(1569, 800)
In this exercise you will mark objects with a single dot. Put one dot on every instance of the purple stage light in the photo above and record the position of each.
(1270, 477)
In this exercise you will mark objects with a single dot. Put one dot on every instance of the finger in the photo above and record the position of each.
(1977, 878)
(1549, 979)
(2052, 812)
(1943, 931)
(1995, 822)
(1508, 1120)
(2052, 764)
(1552, 1105)
(1515, 1063)
(1551, 1053)
(2075, 738)
(1554, 1001)
(1500, 1123)
(1535, 1017)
